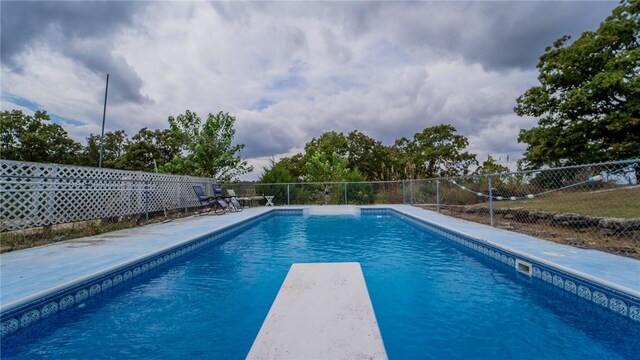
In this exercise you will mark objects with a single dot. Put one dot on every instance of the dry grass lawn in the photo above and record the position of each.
(615, 203)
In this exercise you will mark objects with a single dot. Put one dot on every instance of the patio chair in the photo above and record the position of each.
(218, 205)
(252, 196)
(235, 200)
(217, 194)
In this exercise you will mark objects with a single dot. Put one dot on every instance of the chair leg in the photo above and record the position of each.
(217, 209)
(205, 213)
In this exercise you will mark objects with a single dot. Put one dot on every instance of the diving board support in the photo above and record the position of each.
(322, 311)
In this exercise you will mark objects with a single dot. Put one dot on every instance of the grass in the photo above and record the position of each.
(615, 203)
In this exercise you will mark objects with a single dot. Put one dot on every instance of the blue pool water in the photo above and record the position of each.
(433, 300)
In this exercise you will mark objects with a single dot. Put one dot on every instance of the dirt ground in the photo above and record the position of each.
(620, 244)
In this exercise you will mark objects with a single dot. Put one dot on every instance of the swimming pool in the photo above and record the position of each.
(432, 298)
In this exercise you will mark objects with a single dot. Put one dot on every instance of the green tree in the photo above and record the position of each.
(149, 145)
(294, 165)
(358, 191)
(114, 147)
(274, 174)
(209, 147)
(328, 142)
(33, 138)
(588, 99)
(369, 156)
(326, 167)
(435, 151)
(490, 166)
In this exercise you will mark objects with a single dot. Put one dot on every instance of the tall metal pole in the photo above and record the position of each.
(104, 115)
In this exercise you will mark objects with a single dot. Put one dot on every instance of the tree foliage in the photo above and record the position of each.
(491, 166)
(187, 147)
(209, 149)
(362, 152)
(276, 173)
(435, 151)
(326, 167)
(149, 149)
(34, 138)
(114, 147)
(588, 99)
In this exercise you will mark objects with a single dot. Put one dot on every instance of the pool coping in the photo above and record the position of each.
(601, 288)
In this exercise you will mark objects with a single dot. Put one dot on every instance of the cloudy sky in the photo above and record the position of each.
(288, 71)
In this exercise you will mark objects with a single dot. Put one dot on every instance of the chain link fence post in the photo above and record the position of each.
(403, 194)
(345, 193)
(411, 189)
(490, 201)
(438, 195)
(146, 200)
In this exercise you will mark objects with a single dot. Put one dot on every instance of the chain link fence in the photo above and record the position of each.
(594, 206)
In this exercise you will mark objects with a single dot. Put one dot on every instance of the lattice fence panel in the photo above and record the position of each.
(35, 194)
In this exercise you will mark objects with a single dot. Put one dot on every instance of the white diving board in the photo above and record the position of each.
(322, 311)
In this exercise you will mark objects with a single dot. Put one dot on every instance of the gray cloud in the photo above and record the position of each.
(83, 31)
(289, 71)
(499, 35)
(517, 33)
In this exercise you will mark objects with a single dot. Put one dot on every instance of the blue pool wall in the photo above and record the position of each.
(63, 297)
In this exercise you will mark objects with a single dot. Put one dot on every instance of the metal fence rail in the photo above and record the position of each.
(578, 205)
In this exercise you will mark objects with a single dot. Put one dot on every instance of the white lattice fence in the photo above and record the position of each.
(35, 194)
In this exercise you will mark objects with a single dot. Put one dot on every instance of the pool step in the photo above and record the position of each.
(322, 311)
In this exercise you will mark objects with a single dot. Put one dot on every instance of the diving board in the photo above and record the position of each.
(322, 311)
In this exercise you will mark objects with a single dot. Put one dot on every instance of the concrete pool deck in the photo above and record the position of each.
(25, 274)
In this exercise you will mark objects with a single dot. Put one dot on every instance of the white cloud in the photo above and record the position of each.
(290, 71)
(9, 105)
